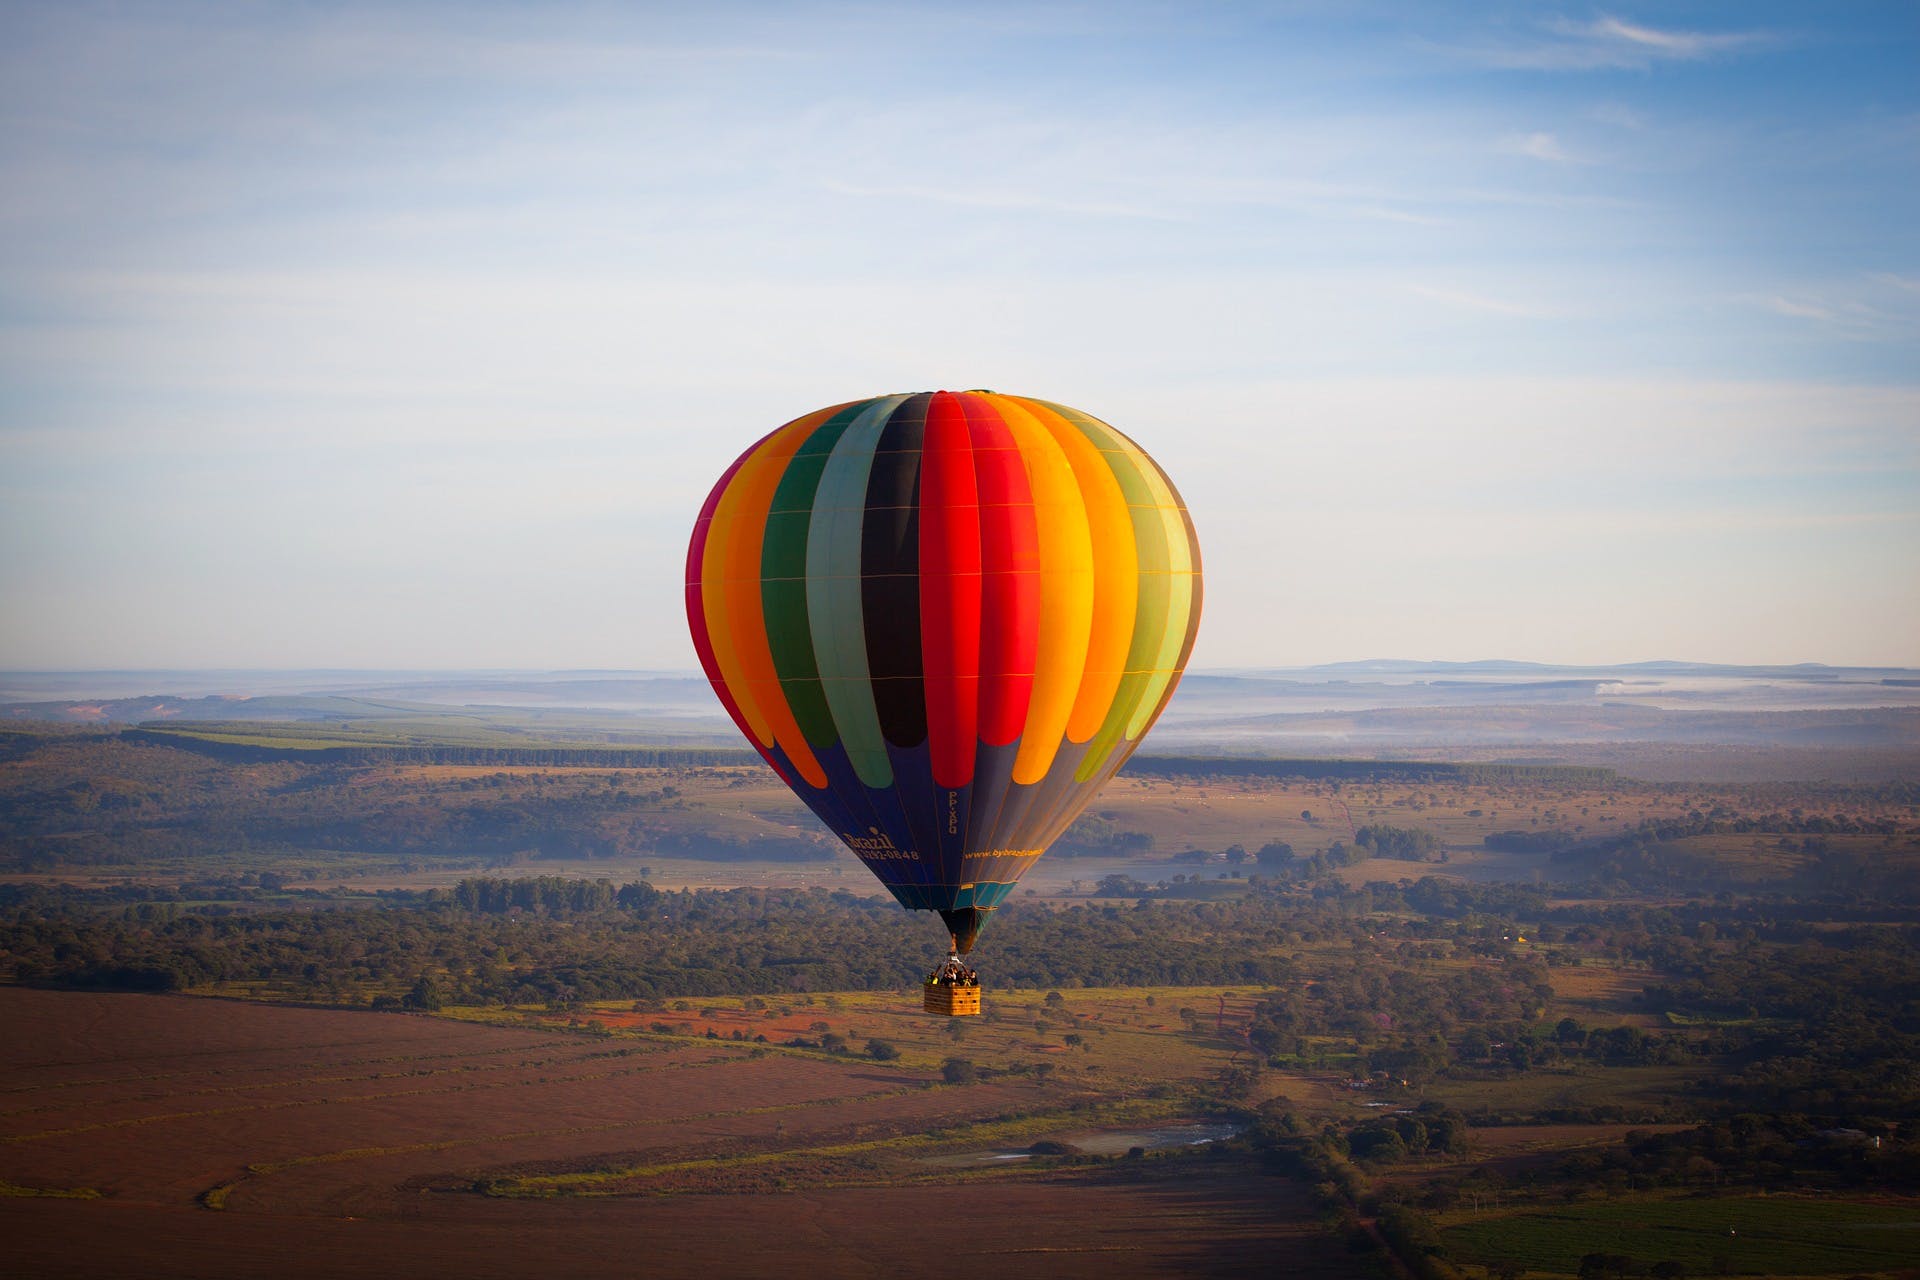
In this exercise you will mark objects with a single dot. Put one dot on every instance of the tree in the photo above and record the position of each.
(882, 1050)
(425, 996)
(1274, 853)
(959, 1071)
(1406, 843)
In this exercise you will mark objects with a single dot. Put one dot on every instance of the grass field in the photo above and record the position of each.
(1122, 1039)
(1642, 1089)
(1748, 1235)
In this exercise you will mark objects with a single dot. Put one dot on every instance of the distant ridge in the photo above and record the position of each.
(1498, 666)
(1405, 666)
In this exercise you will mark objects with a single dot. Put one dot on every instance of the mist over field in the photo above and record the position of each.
(1646, 717)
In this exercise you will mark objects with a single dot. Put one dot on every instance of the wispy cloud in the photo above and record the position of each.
(1538, 146)
(1665, 44)
(1843, 310)
(1794, 307)
(1619, 115)
(1014, 201)
(1608, 43)
(1481, 302)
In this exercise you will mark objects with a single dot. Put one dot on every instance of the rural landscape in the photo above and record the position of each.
(456, 982)
(978, 640)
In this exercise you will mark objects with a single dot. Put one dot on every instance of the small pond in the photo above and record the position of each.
(1112, 1142)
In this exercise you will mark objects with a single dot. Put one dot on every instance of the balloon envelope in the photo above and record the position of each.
(945, 619)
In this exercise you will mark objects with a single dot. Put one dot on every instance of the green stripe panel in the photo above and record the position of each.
(834, 612)
(1181, 576)
(783, 579)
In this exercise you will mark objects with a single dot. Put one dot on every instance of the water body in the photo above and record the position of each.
(1112, 1142)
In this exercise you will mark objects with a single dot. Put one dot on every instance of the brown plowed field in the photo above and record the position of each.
(215, 1139)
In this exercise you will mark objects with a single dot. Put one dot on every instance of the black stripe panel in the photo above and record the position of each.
(890, 575)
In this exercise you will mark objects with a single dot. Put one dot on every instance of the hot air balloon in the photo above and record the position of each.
(946, 620)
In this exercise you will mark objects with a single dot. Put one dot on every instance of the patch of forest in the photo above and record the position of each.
(90, 800)
(512, 941)
(1416, 982)
(1838, 855)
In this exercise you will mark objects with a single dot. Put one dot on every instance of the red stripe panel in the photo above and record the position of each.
(1010, 574)
(949, 591)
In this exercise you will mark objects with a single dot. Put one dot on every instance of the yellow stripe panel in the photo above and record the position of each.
(730, 590)
(1116, 573)
(1066, 589)
(1181, 567)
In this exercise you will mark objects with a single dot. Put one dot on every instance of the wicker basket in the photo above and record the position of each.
(951, 1001)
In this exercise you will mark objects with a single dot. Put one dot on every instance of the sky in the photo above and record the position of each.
(364, 335)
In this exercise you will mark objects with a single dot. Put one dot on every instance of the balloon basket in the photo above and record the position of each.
(952, 1002)
(952, 990)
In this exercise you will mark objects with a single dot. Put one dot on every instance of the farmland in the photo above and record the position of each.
(212, 1138)
(203, 1135)
(1396, 1064)
(1488, 1020)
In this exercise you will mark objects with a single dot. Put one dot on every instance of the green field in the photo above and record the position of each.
(1747, 1235)
(1641, 1089)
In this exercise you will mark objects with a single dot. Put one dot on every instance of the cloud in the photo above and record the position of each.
(1608, 43)
(1840, 308)
(1014, 201)
(1539, 146)
(1665, 44)
(1481, 302)
(1619, 115)
(1800, 310)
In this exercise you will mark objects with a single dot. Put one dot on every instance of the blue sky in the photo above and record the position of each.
(338, 334)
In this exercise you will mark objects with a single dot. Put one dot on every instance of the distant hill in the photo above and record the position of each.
(1369, 706)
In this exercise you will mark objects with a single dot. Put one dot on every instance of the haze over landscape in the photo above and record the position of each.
(1850, 718)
